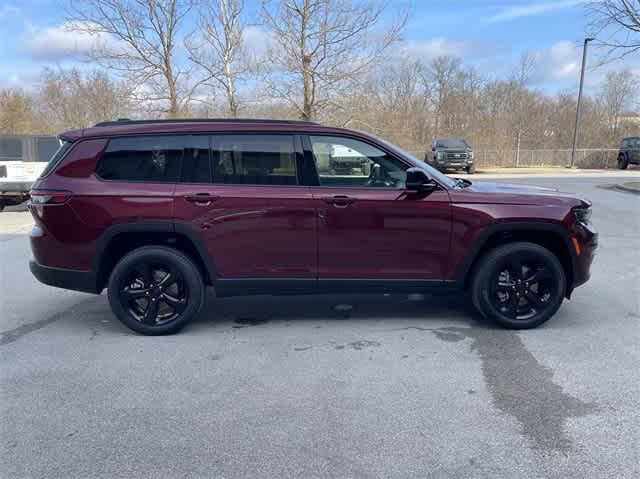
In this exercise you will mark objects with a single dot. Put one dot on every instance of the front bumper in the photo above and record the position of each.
(15, 187)
(77, 280)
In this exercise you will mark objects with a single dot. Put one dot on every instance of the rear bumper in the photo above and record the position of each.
(74, 279)
(15, 187)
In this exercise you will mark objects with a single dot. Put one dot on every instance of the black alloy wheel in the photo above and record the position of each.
(519, 285)
(153, 294)
(155, 290)
(523, 287)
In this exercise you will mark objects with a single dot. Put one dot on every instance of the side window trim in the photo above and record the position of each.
(309, 155)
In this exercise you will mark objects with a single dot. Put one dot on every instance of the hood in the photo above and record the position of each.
(484, 192)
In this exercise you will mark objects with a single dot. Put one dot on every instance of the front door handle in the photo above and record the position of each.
(201, 199)
(339, 201)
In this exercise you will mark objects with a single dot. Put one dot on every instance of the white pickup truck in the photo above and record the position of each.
(22, 160)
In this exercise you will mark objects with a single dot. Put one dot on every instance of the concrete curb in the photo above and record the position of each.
(626, 189)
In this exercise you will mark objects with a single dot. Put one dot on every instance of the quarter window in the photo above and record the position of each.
(153, 159)
(254, 159)
(349, 163)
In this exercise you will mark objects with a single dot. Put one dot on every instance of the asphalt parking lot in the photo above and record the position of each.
(295, 387)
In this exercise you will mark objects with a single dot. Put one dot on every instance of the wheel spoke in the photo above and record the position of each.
(515, 268)
(151, 313)
(177, 304)
(533, 299)
(539, 275)
(511, 306)
(167, 280)
(134, 293)
(144, 270)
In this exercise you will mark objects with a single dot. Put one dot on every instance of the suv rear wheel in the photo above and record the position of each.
(519, 285)
(155, 290)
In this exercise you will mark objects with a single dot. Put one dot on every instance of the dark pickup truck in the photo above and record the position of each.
(451, 154)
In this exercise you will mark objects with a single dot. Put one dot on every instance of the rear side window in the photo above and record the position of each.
(254, 159)
(154, 159)
(63, 147)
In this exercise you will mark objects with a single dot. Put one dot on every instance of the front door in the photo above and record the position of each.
(370, 228)
(242, 195)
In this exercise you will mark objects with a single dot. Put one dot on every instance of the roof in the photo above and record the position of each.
(204, 125)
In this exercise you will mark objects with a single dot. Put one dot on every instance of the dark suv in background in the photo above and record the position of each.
(451, 154)
(155, 211)
(629, 153)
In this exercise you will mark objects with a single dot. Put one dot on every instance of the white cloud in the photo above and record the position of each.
(532, 9)
(257, 41)
(8, 11)
(433, 48)
(61, 41)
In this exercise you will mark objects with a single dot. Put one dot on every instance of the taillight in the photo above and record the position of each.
(49, 197)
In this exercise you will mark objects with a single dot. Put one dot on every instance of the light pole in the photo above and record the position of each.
(577, 126)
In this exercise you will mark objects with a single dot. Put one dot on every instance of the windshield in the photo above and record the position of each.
(451, 143)
(441, 178)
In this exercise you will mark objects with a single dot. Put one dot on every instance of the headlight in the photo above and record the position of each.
(438, 155)
(471, 155)
(582, 214)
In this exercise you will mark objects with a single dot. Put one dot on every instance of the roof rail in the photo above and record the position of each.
(126, 121)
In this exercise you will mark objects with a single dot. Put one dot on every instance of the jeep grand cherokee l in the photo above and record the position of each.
(155, 211)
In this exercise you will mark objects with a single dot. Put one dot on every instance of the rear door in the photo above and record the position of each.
(369, 227)
(242, 195)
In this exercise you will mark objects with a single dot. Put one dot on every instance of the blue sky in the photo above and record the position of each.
(490, 34)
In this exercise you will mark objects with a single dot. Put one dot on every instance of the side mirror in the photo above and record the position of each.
(418, 181)
(433, 148)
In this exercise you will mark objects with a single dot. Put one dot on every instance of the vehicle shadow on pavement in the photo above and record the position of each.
(254, 310)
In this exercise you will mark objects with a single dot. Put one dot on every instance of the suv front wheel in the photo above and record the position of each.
(155, 290)
(622, 162)
(519, 285)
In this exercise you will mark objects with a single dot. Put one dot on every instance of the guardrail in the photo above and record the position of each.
(585, 158)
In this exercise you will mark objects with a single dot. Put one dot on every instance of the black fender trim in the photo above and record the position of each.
(465, 266)
(150, 227)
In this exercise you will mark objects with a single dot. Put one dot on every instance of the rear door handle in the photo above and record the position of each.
(201, 199)
(339, 201)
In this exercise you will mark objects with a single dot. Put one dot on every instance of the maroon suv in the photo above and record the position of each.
(157, 210)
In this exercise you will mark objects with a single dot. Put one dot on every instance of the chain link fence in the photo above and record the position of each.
(585, 158)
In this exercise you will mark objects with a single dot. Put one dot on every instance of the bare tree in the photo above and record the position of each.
(521, 98)
(71, 99)
(145, 35)
(616, 25)
(321, 46)
(441, 78)
(618, 92)
(16, 113)
(216, 47)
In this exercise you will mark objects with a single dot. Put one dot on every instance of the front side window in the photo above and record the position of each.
(154, 159)
(254, 159)
(349, 163)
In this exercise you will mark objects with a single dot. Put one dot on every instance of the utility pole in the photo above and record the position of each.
(577, 126)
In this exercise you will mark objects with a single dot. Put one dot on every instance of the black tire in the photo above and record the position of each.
(155, 290)
(471, 169)
(622, 162)
(518, 285)
(1, 206)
